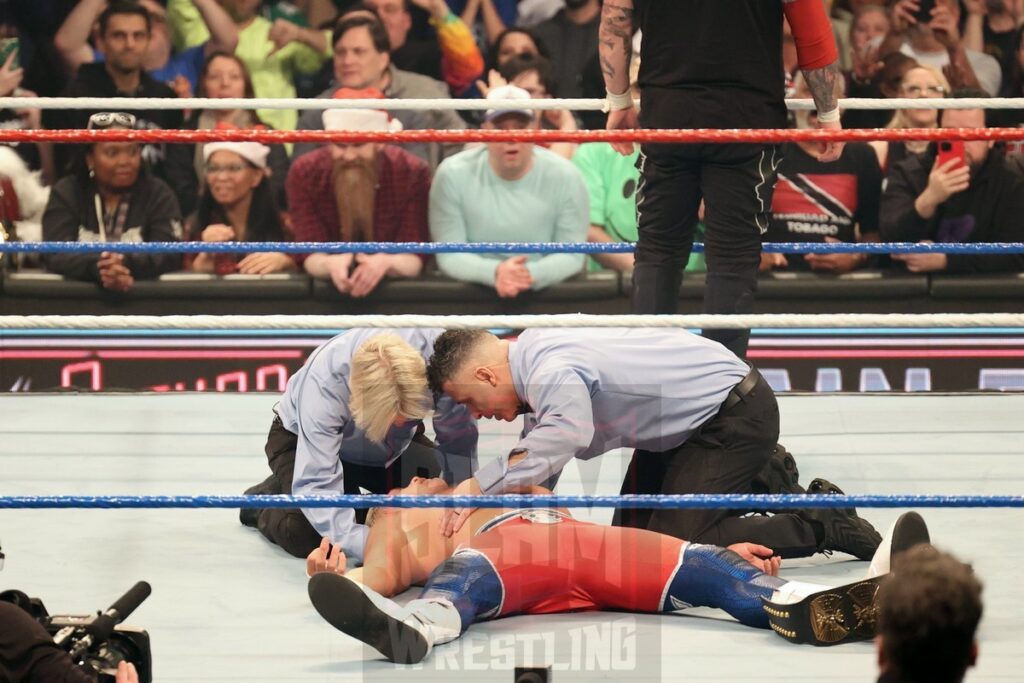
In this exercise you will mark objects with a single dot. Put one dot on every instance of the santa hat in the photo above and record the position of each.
(253, 152)
(360, 120)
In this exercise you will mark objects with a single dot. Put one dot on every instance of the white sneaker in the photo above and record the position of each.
(908, 530)
(405, 635)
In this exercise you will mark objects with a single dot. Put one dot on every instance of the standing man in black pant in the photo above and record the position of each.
(710, 65)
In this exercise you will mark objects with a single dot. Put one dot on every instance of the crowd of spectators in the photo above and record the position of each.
(445, 192)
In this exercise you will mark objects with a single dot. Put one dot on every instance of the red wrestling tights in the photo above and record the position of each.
(570, 566)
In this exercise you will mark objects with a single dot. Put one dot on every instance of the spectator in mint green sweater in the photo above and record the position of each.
(509, 192)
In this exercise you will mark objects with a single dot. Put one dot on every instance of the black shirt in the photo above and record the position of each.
(989, 210)
(152, 216)
(571, 46)
(419, 56)
(92, 80)
(1009, 118)
(814, 200)
(711, 63)
(1002, 46)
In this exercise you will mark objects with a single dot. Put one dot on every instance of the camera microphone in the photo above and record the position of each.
(99, 629)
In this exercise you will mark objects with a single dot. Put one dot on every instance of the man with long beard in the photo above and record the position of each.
(359, 193)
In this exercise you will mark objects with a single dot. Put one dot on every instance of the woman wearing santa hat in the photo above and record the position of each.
(237, 205)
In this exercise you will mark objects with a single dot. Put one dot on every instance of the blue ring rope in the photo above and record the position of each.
(486, 247)
(687, 501)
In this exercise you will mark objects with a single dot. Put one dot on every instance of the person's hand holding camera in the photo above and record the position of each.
(904, 15)
(944, 26)
(10, 76)
(126, 673)
(945, 180)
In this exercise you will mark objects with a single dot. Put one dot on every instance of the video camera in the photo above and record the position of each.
(98, 641)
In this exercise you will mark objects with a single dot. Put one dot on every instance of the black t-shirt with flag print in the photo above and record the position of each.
(814, 200)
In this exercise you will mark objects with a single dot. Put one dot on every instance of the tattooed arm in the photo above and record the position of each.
(615, 45)
(615, 40)
(818, 56)
(824, 84)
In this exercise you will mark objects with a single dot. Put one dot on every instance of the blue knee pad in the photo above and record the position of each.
(709, 576)
(469, 581)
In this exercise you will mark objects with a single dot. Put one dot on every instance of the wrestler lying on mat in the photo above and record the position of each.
(542, 561)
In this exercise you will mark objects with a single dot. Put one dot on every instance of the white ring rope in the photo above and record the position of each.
(144, 103)
(339, 322)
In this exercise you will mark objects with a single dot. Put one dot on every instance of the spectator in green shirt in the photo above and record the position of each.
(273, 52)
(612, 181)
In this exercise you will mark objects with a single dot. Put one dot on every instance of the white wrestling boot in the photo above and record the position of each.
(405, 635)
(908, 530)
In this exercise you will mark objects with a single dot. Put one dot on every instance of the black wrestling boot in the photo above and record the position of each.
(268, 487)
(844, 614)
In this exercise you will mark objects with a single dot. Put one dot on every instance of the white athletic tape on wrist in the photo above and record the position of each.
(620, 101)
(829, 116)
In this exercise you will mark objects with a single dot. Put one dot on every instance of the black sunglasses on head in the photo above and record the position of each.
(111, 119)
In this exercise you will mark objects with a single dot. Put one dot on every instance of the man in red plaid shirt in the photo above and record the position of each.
(359, 193)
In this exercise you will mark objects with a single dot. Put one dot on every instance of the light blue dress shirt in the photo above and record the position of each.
(593, 390)
(315, 407)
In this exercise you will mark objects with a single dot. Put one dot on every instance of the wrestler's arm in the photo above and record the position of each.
(386, 564)
(615, 48)
(818, 57)
(615, 44)
(386, 568)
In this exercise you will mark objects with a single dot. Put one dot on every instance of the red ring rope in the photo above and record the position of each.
(775, 135)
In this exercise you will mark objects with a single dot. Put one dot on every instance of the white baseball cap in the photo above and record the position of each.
(508, 92)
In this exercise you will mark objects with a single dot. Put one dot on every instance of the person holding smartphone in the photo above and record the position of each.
(991, 26)
(956, 192)
(929, 31)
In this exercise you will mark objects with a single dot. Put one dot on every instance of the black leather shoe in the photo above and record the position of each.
(779, 475)
(268, 487)
(844, 531)
(820, 486)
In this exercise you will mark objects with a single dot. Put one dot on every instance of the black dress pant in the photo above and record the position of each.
(290, 529)
(723, 456)
(736, 182)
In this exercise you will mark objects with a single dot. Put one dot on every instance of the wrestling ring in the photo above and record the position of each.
(228, 606)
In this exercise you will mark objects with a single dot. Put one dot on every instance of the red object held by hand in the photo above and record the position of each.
(949, 150)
